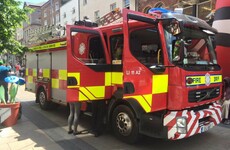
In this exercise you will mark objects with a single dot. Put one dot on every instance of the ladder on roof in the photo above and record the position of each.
(110, 17)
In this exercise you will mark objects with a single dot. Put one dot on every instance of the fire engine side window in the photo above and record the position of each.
(145, 46)
(116, 48)
(96, 51)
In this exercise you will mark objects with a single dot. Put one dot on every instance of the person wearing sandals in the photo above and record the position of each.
(73, 119)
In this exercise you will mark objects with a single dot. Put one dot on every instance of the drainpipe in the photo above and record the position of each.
(79, 10)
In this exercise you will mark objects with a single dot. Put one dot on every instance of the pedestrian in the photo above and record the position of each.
(17, 69)
(73, 119)
(226, 102)
(98, 117)
(4, 71)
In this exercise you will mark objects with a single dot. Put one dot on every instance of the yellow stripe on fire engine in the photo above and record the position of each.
(201, 80)
(30, 79)
(62, 74)
(117, 78)
(27, 71)
(34, 72)
(108, 79)
(76, 75)
(49, 46)
(91, 93)
(159, 84)
(144, 100)
(46, 73)
(55, 83)
(113, 78)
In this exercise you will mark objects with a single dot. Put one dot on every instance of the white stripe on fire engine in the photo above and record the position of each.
(196, 123)
(172, 132)
(192, 124)
(222, 26)
(198, 46)
(169, 117)
(214, 116)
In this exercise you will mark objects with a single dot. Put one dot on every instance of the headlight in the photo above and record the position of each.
(181, 124)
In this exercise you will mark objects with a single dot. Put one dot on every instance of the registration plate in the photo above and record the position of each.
(205, 128)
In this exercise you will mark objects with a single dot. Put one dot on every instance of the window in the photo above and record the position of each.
(145, 46)
(159, 5)
(116, 48)
(45, 14)
(126, 3)
(113, 6)
(73, 10)
(45, 22)
(96, 15)
(57, 18)
(84, 2)
(88, 50)
(64, 15)
(57, 6)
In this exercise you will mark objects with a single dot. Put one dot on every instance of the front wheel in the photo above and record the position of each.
(42, 99)
(125, 125)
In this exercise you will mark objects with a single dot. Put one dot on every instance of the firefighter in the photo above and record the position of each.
(73, 119)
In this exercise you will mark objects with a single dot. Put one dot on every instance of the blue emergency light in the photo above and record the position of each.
(161, 10)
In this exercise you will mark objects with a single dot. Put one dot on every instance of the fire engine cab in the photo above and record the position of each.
(157, 72)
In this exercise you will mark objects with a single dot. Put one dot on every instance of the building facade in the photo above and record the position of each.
(51, 12)
(33, 22)
(62, 12)
(198, 8)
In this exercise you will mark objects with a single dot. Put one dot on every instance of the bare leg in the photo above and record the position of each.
(71, 117)
(77, 111)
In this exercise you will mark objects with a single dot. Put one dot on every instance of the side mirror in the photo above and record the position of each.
(157, 69)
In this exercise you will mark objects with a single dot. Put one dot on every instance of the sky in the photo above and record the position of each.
(33, 1)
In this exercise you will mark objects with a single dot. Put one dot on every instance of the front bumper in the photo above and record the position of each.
(197, 122)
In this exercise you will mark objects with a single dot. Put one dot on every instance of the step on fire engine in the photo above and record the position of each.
(157, 72)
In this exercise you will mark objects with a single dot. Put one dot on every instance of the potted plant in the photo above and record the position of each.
(12, 104)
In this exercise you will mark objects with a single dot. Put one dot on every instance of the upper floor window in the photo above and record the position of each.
(64, 15)
(84, 2)
(57, 6)
(45, 23)
(57, 18)
(126, 3)
(73, 10)
(96, 15)
(113, 6)
(45, 14)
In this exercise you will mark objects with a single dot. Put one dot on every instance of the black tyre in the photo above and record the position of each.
(42, 99)
(124, 124)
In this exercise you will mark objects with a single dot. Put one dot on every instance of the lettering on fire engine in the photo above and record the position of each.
(196, 80)
(133, 72)
(216, 79)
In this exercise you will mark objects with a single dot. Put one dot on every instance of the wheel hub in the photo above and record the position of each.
(124, 124)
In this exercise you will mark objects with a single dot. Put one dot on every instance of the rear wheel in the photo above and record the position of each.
(42, 99)
(125, 125)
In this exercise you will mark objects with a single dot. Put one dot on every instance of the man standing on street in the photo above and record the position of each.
(3, 74)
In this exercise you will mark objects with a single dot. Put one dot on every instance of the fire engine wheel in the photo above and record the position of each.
(125, 125)
(42, 99)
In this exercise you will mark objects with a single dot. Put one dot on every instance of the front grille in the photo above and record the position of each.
(203, 94)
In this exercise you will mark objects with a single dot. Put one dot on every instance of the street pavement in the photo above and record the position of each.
(47, 130)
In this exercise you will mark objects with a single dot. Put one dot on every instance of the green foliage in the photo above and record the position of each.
(11, 18)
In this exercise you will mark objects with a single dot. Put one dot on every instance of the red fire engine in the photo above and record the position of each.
(157, 72)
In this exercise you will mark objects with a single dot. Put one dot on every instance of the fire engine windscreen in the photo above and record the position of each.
(192, 46)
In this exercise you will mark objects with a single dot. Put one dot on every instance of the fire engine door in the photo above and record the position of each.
(88, 65)
(143, 50)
